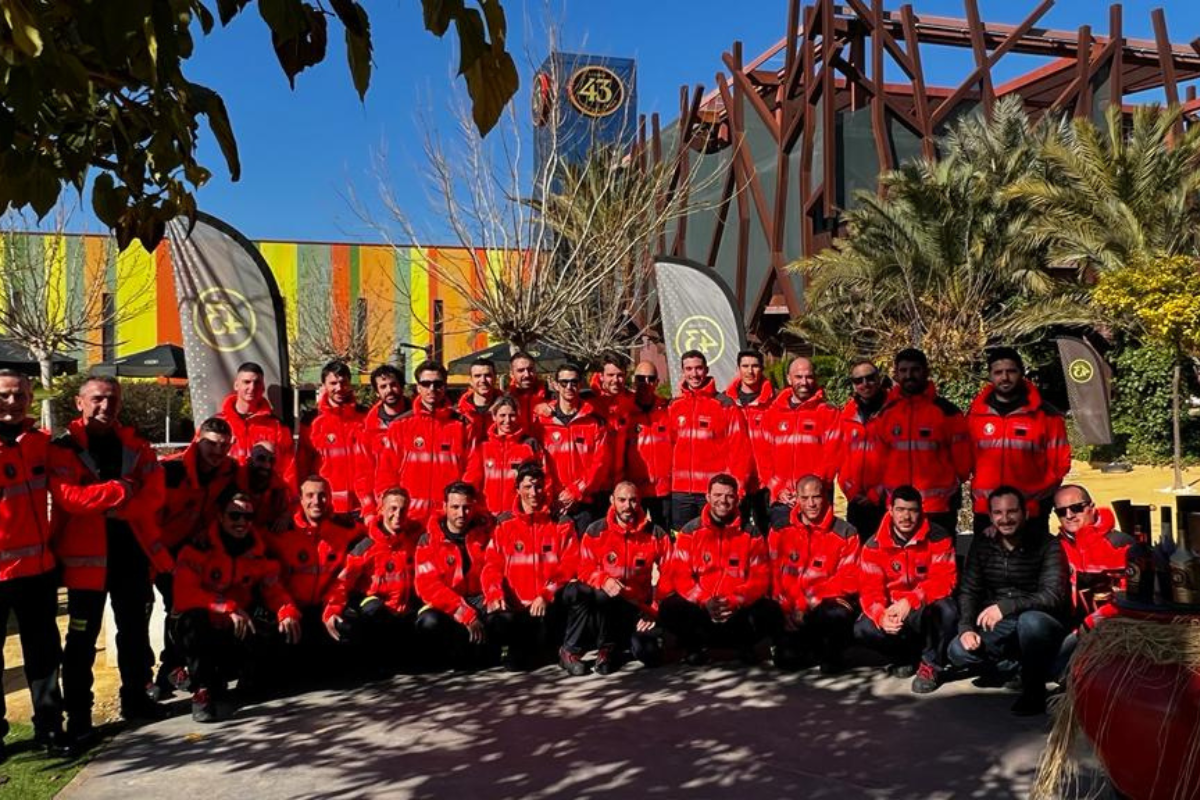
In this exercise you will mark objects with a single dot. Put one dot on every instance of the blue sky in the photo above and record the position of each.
(303, 150)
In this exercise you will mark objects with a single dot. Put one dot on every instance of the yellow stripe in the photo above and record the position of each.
(497, 261)
(283, 258)
(137, 299)
(54, 249)
(419, 322)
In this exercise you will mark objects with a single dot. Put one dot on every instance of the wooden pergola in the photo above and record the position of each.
(794, 112)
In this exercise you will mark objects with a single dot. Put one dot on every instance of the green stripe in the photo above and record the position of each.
(401, 307)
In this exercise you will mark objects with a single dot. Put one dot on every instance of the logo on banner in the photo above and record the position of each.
(1081, 370)
(595, 91)
(224, 319)
(700, 333)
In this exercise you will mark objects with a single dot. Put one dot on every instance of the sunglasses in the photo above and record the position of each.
(240, 516)
(1074, 508)
(647, 379)
(432, 384)
(569, 382)
(861, 379)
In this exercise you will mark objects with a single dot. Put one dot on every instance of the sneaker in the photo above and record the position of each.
(903, 671)
(571, 663)
(1031, 703)
(606, 661)
(55, 742)
(696, 658)
(141, 707)
(204, 709)
(927, 679)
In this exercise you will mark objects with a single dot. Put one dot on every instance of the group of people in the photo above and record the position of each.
(543, 521)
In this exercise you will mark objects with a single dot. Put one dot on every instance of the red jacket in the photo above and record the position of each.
(752, 419)
(617, 411)
(260, 425)
(921, 570)
(708, 438)
(530, 556)
(1027, 448)
(374, 440)
(800, 440)
(492, 466)
(381, 565)
(577, 451)
(208, 577)
(923, 442)
(331, 446)
(426, 452)
(449, 572)
(811, 563)
(24, 511)
(648, 450)
(84, 502)
(190, 506)
(710, 560)
(1096, 558)
(528, 400)
(478, 419)
(857, 454)
(273, 506)
(629, 554)
(312, 556)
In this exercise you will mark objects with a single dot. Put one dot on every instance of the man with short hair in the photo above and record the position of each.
(427, 447)
(272, 501)
(252, 421)
(452, 625)
(753, 393)
(106, 536)
(906, 587)
(1013, 600)
(1095, 550)
(617, 558)
(800, 432)
(28, 583)
(388, 383)
(857, 450)
(648, 450)
(614, 403)
(814, 576)
(923, 441)
(526, 387)
(1017, 438)
(717, 574)
(576, 443)
(708, 438)
(475, 406)
(331, 437)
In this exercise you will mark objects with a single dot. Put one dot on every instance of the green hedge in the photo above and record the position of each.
(144, 406)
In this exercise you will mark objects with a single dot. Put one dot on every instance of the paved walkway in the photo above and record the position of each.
(721, 731)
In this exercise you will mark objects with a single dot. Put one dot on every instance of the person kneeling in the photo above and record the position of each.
(715, 579)
(219, 586)
(372, 606)
(906, 584)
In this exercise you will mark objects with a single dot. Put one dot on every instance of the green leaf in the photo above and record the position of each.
(26, 35)
(472, 40)
(492, 81)
(228, 9)
(105, 202)
(285, 18)
(440, 13)
(204, 16)
(497, 24)
(206, 101)
(43, 189)
(304, 49)
(358, 52)
(353, 16)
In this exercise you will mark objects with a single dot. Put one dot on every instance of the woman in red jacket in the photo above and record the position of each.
(492, 465)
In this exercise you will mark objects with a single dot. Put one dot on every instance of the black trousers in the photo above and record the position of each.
(696, 630)
(34, 601)
(865, 517)
(754, 507)
(584, 514)
(529, 638)
(377, 636)
(659, 511)
(615, 620)
(213, 654)
(170, 657)
(685, 507)
(825, 634)
(128, 584)
(926, 635)
(441, 641)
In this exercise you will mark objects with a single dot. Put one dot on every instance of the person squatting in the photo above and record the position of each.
(545, 520)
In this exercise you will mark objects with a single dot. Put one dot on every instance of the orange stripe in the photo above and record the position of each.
(168, 307)
(340, 286)
(375, 268)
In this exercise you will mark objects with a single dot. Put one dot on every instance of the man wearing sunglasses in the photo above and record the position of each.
(857, 449)
(1017, 438)
(648, 449)
(1096, 551)
(427, 447)
(576, 442)
(753, 393)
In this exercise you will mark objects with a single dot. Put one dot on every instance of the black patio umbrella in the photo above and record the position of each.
(548, 358)
(14, 356)
(163, 361)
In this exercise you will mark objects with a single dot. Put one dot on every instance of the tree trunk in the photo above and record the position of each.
(46, 368)
(1175, 392)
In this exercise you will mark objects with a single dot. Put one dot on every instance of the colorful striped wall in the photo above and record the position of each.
(399, 288)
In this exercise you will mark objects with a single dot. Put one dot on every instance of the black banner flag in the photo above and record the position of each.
(230, 311)
(1089, 382)
(698, 313)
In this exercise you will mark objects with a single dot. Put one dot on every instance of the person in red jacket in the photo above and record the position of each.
(273, 502)
(814, 576)
(528, 577)
(109, 489)
(1017, 439)
(614, 403)
(857, 448)
(492, 465)
(800, 431)
(923, 441)
(28, 584)
(372, 605)
(220, 584)
(1096, 551)
(452, 625)
(576, 442)
(715, 579)
(617, 558)
(427, 447)
(332, 438)
(648, 447)
(526, 388)
(475, 406)
(906, 586)
(250, 417)
(707, 437)
(753, 394)
(388, 383)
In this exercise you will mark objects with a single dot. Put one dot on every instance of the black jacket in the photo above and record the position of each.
(1031, 577)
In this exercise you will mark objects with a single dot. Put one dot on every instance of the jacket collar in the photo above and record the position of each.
(707, 389)
(766, 393)
(784, 401)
